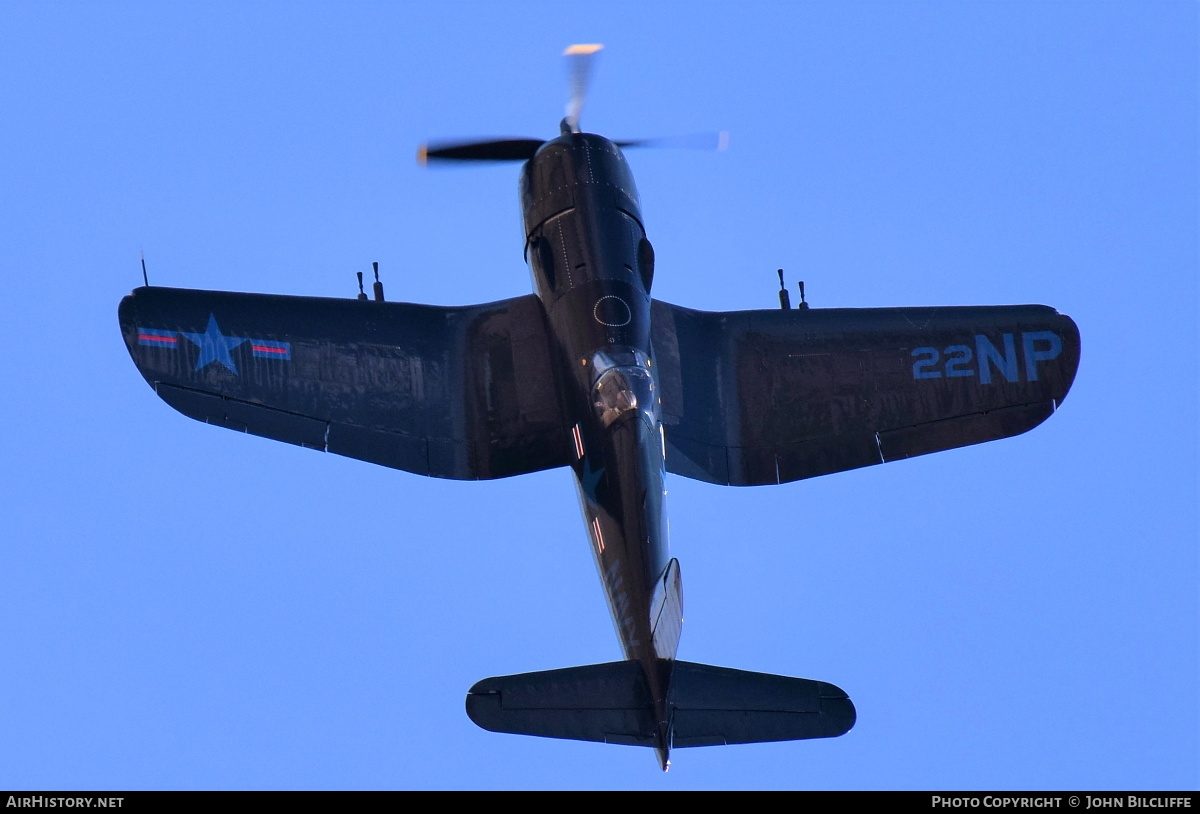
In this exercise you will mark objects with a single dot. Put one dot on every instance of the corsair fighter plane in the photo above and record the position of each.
(590, 373)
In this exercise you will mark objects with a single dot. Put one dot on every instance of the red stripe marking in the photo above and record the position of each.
(265, 349)
(156, 338)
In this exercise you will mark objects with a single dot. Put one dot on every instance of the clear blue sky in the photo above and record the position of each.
(186, 607)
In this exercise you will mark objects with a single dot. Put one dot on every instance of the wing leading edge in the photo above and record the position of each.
(760, 397)
(463, 392)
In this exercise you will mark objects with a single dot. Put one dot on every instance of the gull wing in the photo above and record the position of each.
(759, 397)
(459, 392)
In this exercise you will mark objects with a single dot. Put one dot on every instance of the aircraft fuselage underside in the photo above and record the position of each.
(592, 268)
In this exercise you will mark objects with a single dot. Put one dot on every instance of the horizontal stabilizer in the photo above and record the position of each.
(608, 703)
(709, 706)
(716, 705)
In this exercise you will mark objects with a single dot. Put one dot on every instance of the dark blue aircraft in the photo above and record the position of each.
(591, 373)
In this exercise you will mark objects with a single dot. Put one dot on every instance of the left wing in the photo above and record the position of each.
(464, 393)
(771, 396)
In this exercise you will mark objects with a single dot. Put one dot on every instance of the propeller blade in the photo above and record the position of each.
(508, 149)
(580, 59)
(694, 141)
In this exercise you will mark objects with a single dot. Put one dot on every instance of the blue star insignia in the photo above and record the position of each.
(589, 480)
(214, 345)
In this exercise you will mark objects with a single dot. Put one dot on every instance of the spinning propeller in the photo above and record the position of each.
(580, 59)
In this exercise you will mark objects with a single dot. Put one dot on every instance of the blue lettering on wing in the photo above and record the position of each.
(956, 357)
(1051, 349)
(955, 360)
(921, 367)
(989, 353)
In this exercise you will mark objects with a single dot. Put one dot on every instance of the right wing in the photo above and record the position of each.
(758, 397)
(465, 393)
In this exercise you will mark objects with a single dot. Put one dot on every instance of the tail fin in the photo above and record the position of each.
(708, 706)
